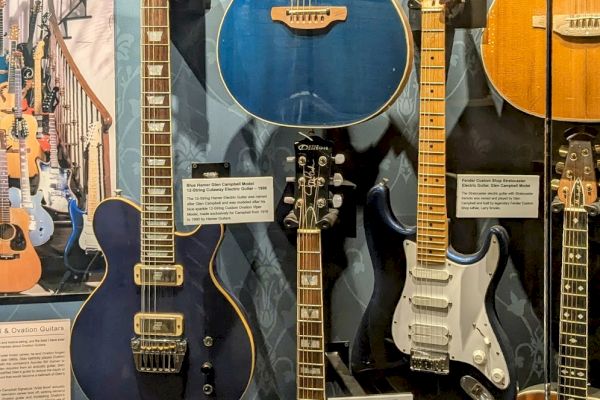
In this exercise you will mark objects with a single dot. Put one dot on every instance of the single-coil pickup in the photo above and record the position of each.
(307, 18)
(158, 324)
(430, 302)
(158, 275)
(430, 274)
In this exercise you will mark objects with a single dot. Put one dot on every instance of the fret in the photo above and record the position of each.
(432, 163)
(440, 114)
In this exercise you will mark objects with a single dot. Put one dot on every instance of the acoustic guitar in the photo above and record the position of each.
(323, 63)
(20, 266)
(514, 56)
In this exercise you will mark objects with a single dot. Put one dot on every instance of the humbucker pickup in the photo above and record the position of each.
(158, 275)
(158, 324)
(429, 361)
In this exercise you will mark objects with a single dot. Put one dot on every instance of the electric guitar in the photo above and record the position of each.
(32, 147)
(81, 220)
(3, 60)
(20, 266)
(513, 50)
(311, 213)
(176, 332)
(55, 181)
(38, 86)
(442, 322)
(322, 64)
(577, 191)
(41, 226)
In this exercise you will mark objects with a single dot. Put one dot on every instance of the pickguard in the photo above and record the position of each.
(87, 239)
(14, 235)
(450, 304)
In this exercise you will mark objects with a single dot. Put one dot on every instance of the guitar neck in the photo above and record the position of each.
(573, 349)
(53, 141)
(432, 222)
(11, 68)
(93, 195)
(24, 180)
(4, 198)
(2, 30)
(310, 356)
(156, 172)
(37, 86)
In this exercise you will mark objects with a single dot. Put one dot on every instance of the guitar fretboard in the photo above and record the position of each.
(53, 141)
(2, 30)
(20, 129)
(432, 225)
(310, 361)
(573, 348)
(4, 199)
(93, 195)
(156, 170)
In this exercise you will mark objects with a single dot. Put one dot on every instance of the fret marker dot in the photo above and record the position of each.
(575, 220)
(578, 256)
(571, 255)
(572, 340)
(567, 286)
(566, 314)
(580, 288)
(580, 316)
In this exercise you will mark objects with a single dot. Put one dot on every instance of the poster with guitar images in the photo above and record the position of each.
(56, 142)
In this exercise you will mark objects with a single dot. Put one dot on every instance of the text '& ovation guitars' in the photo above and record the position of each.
(314, 63)
(160, 325)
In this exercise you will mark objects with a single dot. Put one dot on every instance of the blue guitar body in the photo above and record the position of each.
(340, 75)
(101, 353)
(376, 355)
(41, 225)
(3, 67)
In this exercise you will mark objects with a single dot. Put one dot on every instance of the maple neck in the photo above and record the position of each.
(573, 348)
(156, 171)
(53, 141)
(37, 86)
(93, 195)
(310, 355)
(432, 221)
(4, 199)
(2, 30)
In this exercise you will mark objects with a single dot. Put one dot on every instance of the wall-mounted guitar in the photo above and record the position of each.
(7, 89)
(444, 324)
(577, 195)
(55, 181)
(20, 266)
(514, 56)
(41, 226)
(323, 63)
(314, 209)
(175, 333)
(3, 59)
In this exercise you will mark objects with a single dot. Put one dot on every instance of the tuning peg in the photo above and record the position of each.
(337, 200)
(338, 179)
(597, 148)
(289, 200)
(339, 159)
(290, 159)
(290, 179)
(563, 151)
(555, 184)
(560, 167)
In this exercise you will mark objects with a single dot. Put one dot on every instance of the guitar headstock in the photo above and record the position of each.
(315, 207)
(36, 7)
(39, 51)
(577, 186)
(432, 5)
(50, 101)
(92, 136)
(2, 3)
(14, 33)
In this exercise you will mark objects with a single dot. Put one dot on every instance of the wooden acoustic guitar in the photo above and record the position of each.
(577, 190)
(514, 56)
(20, 266)
(323, 63)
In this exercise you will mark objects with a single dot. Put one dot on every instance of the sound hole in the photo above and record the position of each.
(7, 231)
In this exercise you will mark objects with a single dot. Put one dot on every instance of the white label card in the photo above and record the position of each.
(34, 360)
(497, 196)
(228, 200)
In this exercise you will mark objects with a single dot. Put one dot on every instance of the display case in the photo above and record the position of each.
(395, 199)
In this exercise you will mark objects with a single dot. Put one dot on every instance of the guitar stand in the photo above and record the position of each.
(336, 354)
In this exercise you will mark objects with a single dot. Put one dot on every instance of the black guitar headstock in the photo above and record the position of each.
(51, 101)
(314, 205)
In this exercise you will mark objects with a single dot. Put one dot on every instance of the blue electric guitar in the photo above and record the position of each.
(319, 63)
(160, 325)
(431, 321)
(55, 181)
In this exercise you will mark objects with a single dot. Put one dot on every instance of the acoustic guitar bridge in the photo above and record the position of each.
(580, 26)
(309, 18)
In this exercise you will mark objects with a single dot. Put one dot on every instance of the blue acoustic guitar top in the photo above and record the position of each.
(325, 65)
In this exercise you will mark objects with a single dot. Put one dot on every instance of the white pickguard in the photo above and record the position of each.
(471, 338)
(55, 199)
(87, 239)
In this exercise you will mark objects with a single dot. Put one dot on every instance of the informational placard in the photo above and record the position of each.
(228, 200)
(497, 196)
(34, 360)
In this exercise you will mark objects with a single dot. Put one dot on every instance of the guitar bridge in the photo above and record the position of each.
(429, 361)
(163, 356)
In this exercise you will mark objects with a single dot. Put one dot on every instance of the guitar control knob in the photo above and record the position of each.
(337, 179)
(208, 389)
(289, 200)
(479, 357)
(207, 368)
(290, 159)
(563, 151)
(560, 167)
(339, 159)
(554, 184)
(498, 376)
(337, 200)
